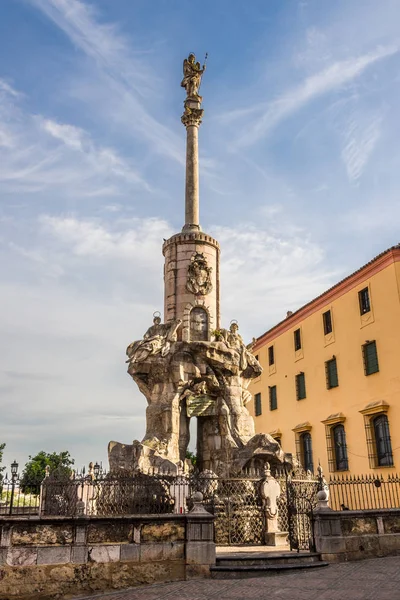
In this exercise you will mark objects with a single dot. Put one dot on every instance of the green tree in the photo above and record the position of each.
(192, 457)
(35, 469)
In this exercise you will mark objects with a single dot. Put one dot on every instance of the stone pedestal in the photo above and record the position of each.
(184, 290)
(277, 538)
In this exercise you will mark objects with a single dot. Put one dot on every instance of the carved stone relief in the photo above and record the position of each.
(198, 324)
(199, 275)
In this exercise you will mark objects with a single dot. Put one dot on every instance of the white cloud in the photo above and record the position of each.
(127, 82)
(135, 238)
(39, 154)
(8, 89)
(360, 141)
(335, 76)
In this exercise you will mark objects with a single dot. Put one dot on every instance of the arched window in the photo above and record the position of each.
(198, 324)
(306, 451)
(340, 448)
(382, 441)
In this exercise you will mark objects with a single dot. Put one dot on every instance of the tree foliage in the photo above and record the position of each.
(192, 457)
(35, 469)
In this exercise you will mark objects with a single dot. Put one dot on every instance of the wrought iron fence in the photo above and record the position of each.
(236, 502)
(17, 498)
(296, 503)
(364, 492)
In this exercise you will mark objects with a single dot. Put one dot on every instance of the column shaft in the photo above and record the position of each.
(192, 177)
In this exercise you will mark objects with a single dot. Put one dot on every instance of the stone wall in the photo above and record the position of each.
(356, 534)
(45, 557)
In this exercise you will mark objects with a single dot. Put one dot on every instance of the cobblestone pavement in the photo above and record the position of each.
(374, 579)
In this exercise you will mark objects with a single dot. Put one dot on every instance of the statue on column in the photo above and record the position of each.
(192, 73)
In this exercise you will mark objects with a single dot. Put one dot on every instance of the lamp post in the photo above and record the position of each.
(96, 469)
(14, 475)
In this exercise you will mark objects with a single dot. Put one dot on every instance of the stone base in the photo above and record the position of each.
(278, 538)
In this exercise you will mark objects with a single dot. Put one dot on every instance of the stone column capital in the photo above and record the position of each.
(192, 117)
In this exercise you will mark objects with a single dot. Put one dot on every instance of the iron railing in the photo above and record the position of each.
(17, 498)
(364, 492)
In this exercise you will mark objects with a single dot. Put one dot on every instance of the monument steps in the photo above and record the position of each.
(248, 565)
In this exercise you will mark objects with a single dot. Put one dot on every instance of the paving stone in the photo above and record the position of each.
(372, 579)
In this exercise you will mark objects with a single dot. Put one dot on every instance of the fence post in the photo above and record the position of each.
(200, 545)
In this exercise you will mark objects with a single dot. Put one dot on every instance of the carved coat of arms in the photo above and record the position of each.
(199, 275)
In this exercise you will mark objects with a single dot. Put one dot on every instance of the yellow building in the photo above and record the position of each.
(330, 388)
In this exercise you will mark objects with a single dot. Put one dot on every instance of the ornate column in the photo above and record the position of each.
(191, 118)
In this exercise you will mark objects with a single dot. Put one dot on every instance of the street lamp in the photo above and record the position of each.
(96, 470)
(14, 474)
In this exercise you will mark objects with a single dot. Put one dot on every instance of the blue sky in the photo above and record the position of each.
(300, 169)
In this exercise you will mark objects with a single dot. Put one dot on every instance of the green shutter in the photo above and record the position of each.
(370, 358)
(331, 374)
(257, 403)
(300, 386)
(273, 399)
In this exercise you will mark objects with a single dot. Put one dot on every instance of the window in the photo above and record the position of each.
(327, 319)
(300, 386)
(297, 340)
(340, 448)
(273, 399)
(257, 405)
(378, 435)
(306, 451)
(271, 356)
(370, 357)
(331, 373)
(363, 298)
(336, 443)
(383, 444)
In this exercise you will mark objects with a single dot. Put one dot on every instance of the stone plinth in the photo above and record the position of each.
(179, 300)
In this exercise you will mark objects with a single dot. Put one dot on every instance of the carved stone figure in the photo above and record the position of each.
(199, 275)
(207, 380)
(192, 73)
(235, 341)
(157, 339)
(198, 324)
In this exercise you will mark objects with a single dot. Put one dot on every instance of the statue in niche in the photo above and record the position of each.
(199, 275)
(198, 324)
(192, 73)
(156, 340)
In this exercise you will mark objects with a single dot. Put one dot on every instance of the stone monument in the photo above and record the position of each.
(189, 366)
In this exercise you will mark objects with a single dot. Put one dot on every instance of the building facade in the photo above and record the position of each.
(330, 387)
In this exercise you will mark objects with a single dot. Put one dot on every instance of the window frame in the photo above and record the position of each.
(329, 384)
(306, 452)
(272, 391)
(257, 405)
(371, 412)
(327, 323)
(385, 459)
(367, 371)
(298, 377)
(345, 459)
(364, 301)
(271, 355)
(297, 339)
